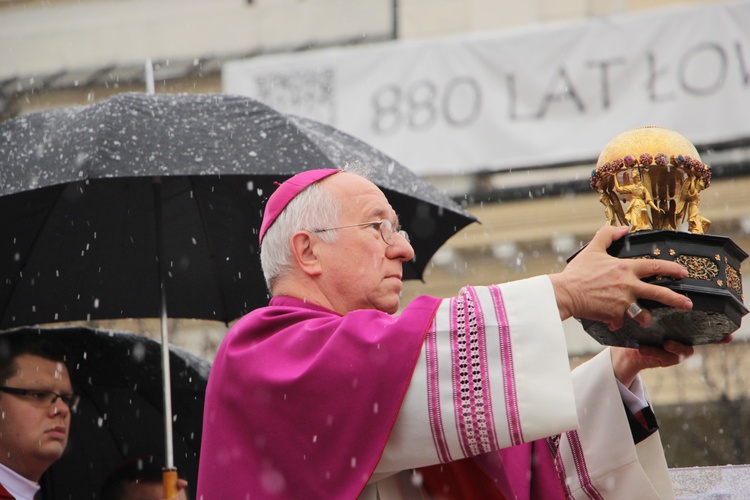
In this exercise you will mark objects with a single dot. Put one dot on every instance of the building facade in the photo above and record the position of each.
(63, 52)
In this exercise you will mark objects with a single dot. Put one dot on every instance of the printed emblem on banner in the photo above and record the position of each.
(308, 93)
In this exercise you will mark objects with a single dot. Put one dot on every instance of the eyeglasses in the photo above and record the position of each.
(43, 399)
(384, 226)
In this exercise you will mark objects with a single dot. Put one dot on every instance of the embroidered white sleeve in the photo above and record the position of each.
(600, 460)
(493, 372)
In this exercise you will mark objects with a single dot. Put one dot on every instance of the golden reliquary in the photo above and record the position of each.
(650, 179)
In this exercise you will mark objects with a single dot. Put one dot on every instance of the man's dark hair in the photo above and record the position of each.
(146, 469)
(14, 345)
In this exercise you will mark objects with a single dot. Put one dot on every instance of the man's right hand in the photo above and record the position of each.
(599, 287)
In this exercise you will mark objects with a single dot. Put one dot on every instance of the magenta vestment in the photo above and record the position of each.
(301, 401)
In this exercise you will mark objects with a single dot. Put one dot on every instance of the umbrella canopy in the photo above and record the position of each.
(118, 376)
(84, 190)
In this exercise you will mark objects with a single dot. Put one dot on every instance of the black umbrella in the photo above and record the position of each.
(82, 191)
(120, 415)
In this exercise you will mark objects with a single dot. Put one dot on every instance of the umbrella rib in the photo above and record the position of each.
(209, 247)
(37, 234)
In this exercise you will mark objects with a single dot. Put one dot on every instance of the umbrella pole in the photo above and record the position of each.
(150, 88)
(170, 472)
(167, 381)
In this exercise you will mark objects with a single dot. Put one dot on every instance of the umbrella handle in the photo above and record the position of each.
(169, 477)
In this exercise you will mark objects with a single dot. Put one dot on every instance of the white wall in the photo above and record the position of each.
(43, 38)
(39, 39)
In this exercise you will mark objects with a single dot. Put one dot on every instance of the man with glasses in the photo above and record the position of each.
(326, 393)
(36, 399)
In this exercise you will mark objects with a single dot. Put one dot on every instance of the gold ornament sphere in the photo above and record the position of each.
(650, 139)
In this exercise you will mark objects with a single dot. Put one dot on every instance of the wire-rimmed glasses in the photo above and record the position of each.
(384, 226)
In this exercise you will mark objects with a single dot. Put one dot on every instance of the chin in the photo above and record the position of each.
(392, 308)
(54, 451)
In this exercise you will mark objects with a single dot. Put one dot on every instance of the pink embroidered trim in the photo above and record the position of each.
(581, 468)
(554, 447)
(433, 395)
(481, 378)
(469, 375)
(459, 379)
(515, 429)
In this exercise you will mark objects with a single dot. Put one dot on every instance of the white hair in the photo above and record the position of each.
(313, 208)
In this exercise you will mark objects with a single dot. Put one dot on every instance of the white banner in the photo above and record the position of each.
(522, 98)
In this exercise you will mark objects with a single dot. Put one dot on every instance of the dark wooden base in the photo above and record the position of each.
(714, 286)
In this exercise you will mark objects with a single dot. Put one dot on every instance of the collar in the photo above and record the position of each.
(17, 485)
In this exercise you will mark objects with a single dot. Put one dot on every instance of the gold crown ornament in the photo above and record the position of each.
(651, 178)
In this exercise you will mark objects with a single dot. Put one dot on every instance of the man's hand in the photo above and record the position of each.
(181, 494)
(628, 362)
(597, 286)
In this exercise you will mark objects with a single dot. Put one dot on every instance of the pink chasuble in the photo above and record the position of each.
(522, 472)
(301, 400)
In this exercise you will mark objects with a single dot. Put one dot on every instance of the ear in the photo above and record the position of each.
(304, 251)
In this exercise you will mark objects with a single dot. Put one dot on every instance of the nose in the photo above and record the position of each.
(401, 249)
(59, 408)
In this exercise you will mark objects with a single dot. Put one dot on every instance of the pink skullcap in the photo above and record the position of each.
(286, 193)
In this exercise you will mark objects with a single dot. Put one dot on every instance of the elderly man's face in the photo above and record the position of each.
(34, 435)
(361, 271)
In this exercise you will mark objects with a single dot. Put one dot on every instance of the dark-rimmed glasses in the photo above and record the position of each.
(41, 398)
(384, 226)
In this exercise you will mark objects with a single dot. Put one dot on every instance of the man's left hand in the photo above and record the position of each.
(627, 363)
